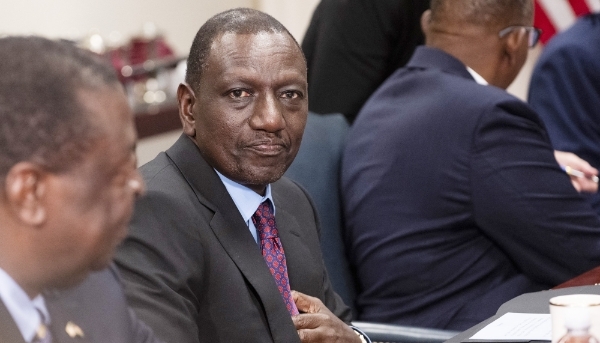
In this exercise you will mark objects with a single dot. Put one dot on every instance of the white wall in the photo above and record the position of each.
(179, 20)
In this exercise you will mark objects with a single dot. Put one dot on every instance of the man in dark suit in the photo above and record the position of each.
(454, 201)
(352, 46)
(565, 91)
(67, 165)
(199, 263)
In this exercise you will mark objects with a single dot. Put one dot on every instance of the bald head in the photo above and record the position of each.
(483, 13)
(470, 31)
(40, 115)
(239, 21)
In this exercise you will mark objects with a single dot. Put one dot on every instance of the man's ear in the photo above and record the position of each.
(513, 45)
(26, 191)
(425, 22)
(186, 99)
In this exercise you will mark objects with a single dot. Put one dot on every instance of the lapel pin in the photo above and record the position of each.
(73, 330)
(41, 332)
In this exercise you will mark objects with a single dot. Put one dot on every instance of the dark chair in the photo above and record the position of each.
(405, 334)
(317, 169)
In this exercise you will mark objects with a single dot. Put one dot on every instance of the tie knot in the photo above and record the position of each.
(264, 220)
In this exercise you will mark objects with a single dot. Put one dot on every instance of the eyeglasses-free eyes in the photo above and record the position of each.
(532, 32)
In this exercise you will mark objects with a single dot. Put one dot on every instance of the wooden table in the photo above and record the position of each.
(588, 278)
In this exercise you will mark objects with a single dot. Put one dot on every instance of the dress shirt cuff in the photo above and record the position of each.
(363, 336)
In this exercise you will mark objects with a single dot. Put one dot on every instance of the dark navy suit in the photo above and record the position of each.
(454, 202)
(565, 91)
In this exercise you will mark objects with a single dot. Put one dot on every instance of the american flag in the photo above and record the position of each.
(553, 16)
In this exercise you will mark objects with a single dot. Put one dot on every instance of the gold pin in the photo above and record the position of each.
(73, 330)
(41, 331)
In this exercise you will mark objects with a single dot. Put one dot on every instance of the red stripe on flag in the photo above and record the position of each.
(542, 21)
(580, 7)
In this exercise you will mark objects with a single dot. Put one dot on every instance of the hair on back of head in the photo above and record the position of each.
(239, 21)
(41, 117)
(491, 13)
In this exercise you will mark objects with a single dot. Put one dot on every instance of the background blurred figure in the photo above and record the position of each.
(352, 46)
(68, 183)
(565, 91)
(453, 199)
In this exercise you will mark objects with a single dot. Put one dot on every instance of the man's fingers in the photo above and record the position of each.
(308, 321)
(575, 183)
(306, 303)
(308, 336)
(315, 328)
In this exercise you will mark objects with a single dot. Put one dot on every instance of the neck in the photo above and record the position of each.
(18, 274)
(18, 258)
(475, 47)
(259, 189)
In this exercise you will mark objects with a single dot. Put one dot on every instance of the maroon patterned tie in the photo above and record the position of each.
(273, 253)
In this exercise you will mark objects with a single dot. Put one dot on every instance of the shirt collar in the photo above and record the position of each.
(478, 78)
(245, 199)
(24, 311)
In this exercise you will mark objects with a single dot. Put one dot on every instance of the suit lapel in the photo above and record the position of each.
(9, 331)
(233, 234)
(63, 318)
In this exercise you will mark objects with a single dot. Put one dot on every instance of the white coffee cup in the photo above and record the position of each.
(561, 306)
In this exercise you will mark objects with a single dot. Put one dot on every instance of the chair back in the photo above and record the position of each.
(317, 169)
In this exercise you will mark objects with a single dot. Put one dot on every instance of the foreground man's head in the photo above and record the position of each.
(67, 163)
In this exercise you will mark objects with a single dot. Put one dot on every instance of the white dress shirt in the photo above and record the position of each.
(478, 78)
(24, 311)
(246, 201)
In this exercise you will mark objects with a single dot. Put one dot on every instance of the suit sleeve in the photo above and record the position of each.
(525, 203)
(565, 91)
(160, 278)
(141, 333)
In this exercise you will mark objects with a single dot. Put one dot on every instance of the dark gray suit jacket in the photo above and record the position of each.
(192, 269)
(97, 306)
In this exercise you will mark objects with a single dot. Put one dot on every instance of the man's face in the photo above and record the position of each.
(93, 201)
(251, 107)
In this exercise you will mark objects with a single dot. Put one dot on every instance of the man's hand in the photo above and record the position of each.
(581, 184)
(316, 323)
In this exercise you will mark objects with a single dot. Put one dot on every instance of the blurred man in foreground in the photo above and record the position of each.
(453, 198)
(67, 166)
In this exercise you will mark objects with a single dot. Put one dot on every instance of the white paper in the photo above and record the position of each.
(518, 327)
